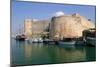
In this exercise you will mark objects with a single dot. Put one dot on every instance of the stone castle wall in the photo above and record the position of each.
(69, 26)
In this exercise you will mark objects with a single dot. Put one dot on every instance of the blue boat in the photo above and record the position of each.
(67, 42)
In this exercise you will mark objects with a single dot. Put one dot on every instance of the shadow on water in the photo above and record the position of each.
(24, 53)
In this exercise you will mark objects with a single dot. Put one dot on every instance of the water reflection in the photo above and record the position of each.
(24, 53)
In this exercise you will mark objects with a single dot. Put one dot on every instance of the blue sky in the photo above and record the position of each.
(23, 10)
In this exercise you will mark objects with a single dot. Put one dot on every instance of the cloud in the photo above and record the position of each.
(35, 19)
(59, 13)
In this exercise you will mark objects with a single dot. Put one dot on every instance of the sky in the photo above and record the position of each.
(34, 10)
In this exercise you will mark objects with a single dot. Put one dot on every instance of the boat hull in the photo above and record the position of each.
(80, 43)
(66, 44)
(21, 39)
(91, 41)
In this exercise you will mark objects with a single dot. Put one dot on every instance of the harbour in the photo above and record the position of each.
(56, 42)
(88, 39)
(24, 53)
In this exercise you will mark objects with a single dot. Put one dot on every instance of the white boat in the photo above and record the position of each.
(40, 40)
(30, 40)
(35, 40)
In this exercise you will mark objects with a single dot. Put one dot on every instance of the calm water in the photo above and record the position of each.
(24, 53)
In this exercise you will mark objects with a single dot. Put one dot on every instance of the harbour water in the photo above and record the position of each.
(24, 53)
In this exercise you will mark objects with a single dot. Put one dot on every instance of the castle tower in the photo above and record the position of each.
(69, 26)
(28, 28)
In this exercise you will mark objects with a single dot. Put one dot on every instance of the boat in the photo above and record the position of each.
(91, 41)
(90, 36)
(36, 40)
(80, 42)
(48, 41)
(40, 40)
(67, 42)
(20, 37)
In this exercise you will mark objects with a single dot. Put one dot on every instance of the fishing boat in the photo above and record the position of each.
(20, 37)
(40, 40)
(90, 36)
(67, 42)
(91, 41)
(34, 40)
(37, 40)
(80, 42)
(48, 41)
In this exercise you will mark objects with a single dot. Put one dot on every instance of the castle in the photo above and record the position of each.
(60, 26)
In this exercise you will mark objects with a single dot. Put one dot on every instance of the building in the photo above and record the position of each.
(69, 26)
(40, 28)
(28, 27)
(61, 26)
(35, 28)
